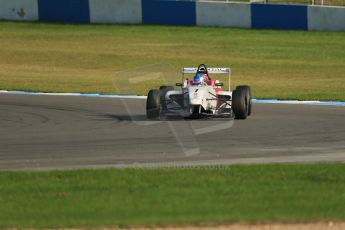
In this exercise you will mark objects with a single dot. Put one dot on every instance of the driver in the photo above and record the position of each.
(200, 79)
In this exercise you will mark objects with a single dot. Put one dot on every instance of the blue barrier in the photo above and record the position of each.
(169, 12)
(71, 11)
(286, 17)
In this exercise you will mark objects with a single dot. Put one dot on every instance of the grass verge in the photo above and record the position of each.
(168, 196)
(83, 58)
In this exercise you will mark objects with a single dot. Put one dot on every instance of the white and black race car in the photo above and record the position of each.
(200, 97)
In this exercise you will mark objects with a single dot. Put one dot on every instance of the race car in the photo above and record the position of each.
(200, 97)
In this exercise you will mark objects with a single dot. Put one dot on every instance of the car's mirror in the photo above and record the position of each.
(219, 84)
(179, 84)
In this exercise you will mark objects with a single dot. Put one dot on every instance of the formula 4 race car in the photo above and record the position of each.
(200, 97)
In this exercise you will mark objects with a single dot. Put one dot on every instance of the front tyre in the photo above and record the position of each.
(248, 96)
(241, 102)
(153, 106)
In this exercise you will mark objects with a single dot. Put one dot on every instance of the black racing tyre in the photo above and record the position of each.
(163, 90)
(239, 103)
(153, 106)
(165, 86)
(249, 97)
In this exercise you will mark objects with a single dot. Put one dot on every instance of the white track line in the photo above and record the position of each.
(270, 101)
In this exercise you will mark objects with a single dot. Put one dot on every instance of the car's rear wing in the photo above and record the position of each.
(217, 70)
(214, 70)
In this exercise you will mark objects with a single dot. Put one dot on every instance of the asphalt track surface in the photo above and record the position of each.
(57, 132)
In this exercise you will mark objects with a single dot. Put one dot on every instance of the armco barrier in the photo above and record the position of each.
(286, 17)
(169, 12)
(223, 14)
(68, 11)
(21, 10)
(115, 11)
(326, 18)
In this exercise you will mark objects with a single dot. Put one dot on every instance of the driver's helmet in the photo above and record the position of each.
(198, 79)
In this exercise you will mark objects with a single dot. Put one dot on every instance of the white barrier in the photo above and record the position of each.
(323, 18)
(21, 10)
(223, 14)
(115, 11)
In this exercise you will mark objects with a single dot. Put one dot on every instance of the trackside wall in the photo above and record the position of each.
(326, 18)
(115, 11)
(169, 12)
(64, 11)
(177, 12)
(288, 17)
(19, 10)
(222, 14)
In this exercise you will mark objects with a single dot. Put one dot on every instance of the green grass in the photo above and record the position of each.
(168, 196)
(84, 58)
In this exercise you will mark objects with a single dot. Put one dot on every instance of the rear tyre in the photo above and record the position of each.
(240, 103)
(153, 106)
(248, 95)
(163, 90)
